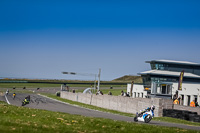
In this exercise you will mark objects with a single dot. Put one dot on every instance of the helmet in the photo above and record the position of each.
(152, 107)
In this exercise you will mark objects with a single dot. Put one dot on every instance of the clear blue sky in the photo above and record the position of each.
(40, 39)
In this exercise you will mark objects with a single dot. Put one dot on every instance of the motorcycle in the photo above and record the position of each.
(24, 102)
(145, 116)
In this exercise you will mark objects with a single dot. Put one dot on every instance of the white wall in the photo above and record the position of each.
(190, 89)
(137, 89)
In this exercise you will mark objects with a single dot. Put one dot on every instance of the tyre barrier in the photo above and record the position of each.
(181, 114)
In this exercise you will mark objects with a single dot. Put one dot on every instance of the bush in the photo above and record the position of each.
(58, 93)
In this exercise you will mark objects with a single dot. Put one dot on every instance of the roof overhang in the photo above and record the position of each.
(174, 62)
(169, 73)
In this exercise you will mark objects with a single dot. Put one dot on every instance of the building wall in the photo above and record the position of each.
(138, 91)
(119, 103)
(188, 89)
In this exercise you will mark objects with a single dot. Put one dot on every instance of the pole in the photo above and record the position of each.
(87, 74)
(95, 83)
(99, 79)
(131, 91)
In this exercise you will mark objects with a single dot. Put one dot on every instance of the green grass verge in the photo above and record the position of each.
(115, 92)
(23, 119)
(174, 120)
(163, 119)
(40, 85)
(27, 85)
(2, 91)
(2, 102)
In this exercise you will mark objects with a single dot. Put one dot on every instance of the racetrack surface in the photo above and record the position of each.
(41, 102)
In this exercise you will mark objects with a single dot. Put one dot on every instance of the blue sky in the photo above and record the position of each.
(40, 39)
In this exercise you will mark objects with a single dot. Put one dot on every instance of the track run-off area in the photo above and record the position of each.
(43, 102)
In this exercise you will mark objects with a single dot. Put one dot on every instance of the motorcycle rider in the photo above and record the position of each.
(14, 95)
(27, 99)
(145, 110)
(7, 92)
(146, 115)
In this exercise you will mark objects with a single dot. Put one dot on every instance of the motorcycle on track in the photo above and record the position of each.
(146, 115)
(26, 100)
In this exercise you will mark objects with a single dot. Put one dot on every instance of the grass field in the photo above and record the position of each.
(19, 87)
(115, 92)
(36, 85)
(22, 119)
(27, 85)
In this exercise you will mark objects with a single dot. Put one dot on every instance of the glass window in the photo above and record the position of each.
(196, 71)
(153, 66)
(156, 65)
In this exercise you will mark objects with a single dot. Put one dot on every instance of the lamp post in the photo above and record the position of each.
(87, 74)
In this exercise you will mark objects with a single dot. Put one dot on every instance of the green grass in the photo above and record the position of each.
(15, 91)
(115, 92)
(174, 120)
(27, 85)
(23, 119)
(40, 85)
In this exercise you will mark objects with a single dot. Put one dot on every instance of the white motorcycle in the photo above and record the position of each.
(146, 115)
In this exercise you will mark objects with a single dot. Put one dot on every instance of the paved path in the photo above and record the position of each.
(41, 102)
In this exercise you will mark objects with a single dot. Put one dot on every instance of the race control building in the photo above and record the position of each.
(163, 79)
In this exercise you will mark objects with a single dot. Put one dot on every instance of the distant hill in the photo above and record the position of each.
(129, 78)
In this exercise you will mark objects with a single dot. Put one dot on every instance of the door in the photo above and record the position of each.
(163, 88)
(188, 100)
(182, 99)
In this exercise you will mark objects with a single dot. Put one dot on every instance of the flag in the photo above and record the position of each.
(180, 80)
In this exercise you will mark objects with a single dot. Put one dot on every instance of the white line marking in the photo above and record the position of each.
(7, 99)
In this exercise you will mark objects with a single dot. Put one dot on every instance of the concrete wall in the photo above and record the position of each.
(120, 103)
(188, 108)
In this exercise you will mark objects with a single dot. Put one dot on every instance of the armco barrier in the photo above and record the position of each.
(120, 103)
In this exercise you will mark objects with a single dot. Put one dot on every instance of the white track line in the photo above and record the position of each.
(55, 99)
(7, 99)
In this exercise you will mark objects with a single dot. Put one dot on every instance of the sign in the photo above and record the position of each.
(180, 80)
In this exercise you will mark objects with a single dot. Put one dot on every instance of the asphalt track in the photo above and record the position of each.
(42, 102)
